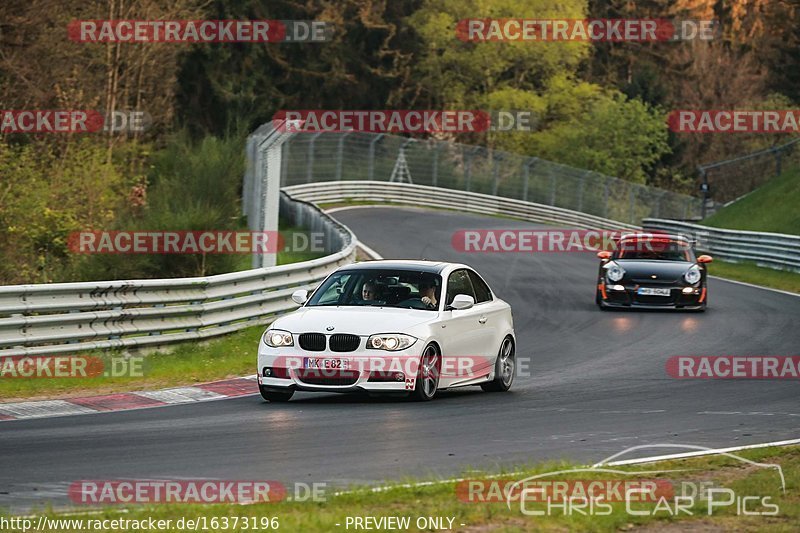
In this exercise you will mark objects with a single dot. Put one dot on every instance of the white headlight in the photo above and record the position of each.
(614, 272)
(692, 275)
(278, 338)
(390, 341)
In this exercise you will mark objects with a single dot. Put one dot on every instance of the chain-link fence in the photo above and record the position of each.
(733, 178)
(313, 157)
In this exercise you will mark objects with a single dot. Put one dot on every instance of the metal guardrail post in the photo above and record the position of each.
(631, 198)
(704, 189)
(580, 190)
(375, 139)
(468, 167)
(526, 176)
(658, 204)
(435, 169)
(310, 162)
(285, 163)
(340, 155)
(496, 158)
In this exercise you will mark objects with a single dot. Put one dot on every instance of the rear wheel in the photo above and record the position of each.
(275, 396)
(428, 376)
(503, 368)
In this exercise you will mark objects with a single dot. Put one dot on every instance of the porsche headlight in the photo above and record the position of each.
(614, 272)
(278, 338)
(692, 275)
(390, 342)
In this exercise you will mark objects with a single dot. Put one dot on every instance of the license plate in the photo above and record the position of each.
(650, 291)
(326, 364)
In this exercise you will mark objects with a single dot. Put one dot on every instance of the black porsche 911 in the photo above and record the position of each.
(652, 271)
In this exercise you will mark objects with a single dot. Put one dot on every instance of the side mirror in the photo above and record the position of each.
(604, 255)
(462, 301)
(704, 259)
(300, 296)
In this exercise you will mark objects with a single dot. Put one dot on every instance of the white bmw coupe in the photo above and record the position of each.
(410, 327)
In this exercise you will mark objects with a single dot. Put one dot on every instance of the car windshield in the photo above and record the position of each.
(379, 288)
(654, 250)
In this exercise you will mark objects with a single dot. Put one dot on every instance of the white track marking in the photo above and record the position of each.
(42, 409)
(699, 453)
(755, 286)
(180, 395)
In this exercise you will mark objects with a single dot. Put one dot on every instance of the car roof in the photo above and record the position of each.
(673, 237)
(435, 267)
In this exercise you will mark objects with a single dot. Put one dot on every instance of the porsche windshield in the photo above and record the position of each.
(380, 288)
(654, 250)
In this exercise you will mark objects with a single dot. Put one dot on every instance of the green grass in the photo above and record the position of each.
(441, 500)
(772, 207)
(751, 273)
(233, 355)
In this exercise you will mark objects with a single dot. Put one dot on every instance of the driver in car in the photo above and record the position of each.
(427, 293)
(368, 291)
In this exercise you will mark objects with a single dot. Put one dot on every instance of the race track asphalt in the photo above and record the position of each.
(597, 386)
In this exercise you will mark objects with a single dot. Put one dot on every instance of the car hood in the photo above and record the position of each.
(663, 270)
(356, 320)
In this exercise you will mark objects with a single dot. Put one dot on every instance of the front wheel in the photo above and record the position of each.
(428, 375)
(275, 396)
(503, 368)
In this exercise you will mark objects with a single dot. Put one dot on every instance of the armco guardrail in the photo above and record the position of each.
(773, 250)
(70, 317)
(425, 196)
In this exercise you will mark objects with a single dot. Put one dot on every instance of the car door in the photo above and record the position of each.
(493, 317)
(463, 350)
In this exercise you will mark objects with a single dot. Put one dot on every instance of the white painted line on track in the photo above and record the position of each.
(180, 395)
(651, 459)
(42, 409)
(755, 286)
(375, 256)
(699, 453)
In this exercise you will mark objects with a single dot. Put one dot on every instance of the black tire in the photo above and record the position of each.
(275, 396)
(503, 369)
(430, 365)
(599, 301)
